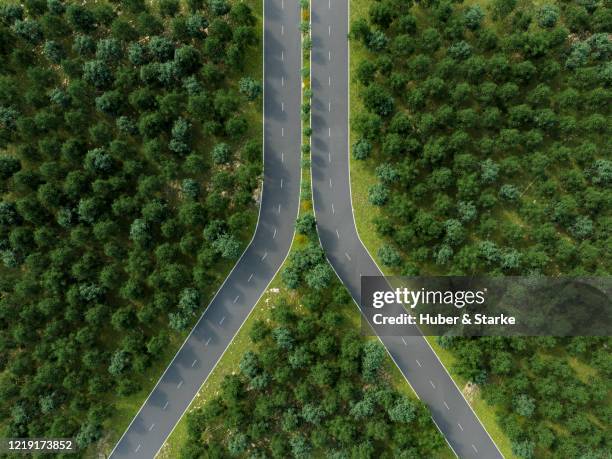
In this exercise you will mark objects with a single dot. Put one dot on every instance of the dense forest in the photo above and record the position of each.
(488, 128)
(310, 385)
(130, 156)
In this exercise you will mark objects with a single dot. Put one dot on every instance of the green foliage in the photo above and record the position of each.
(489, 145)
(110, 120)
(313, 401)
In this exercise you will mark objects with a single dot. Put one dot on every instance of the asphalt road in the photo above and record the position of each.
(336, 226)
(250, 277)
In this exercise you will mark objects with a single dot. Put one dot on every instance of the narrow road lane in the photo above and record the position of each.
(250, 277)
(336, 226)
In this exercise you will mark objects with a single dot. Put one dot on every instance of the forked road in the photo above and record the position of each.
(265, 254)
(336, 226)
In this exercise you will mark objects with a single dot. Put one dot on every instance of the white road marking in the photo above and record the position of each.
(283, 4)
(460, 426)
(446, 405)
(151, 428)
(236, 299)
(279, 207)
(329, 106)
(329, 156)
(474, 448)
(281, 183)
(329, 30)
(329, 55)
(282, 132)
(179, 384)
(282, 29)
(165, 406)
(337, 234)
(333, 211)
(432, 384)
(250, 277)
(404, 341)
(282, 106)
(329, 4)
(347, 256)
(329, 80)
(274, 235)
(283, 56)
(137, 448)
(221, 321)
(282, 157)
(208, 341)
(328, 132)
(283, 81)
(264, 256)
(418, 363)
(193, 363)
(330, 183)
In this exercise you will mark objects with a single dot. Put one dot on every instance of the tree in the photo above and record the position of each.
(361, 149)
(373, 357)
(227, 246)
(306, 224)
(378, 194)
(548, 15)
(319, 276)
(377, 100)
(389, 256)
(221, 153)
(473, 17)
(250, 88)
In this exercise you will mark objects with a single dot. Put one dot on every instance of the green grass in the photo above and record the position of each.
(362, 177)
(125, 408)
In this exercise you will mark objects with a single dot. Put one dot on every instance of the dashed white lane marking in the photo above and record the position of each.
(474, 448)
(330, 183)
(250, 277)
(404, 341)
(281, 183)
(347, 256)
(282, 106)
(274, 235)
(283, 81)
(179, 384)
(333, 211)
(165, 406)
(208, 341)
(337, 234)
(446, 405)
(236, 299)
(283, 4)
(279, 208)
(221, 321)
(432, 384)
(328, 132)
(282, 29)
(329, 106)
(264, 256)
(282, 157)
(329, 55)
(460, 426)
(137, 448)
(329, 80)
(418, 363)
(282, 132)
(329, 156)
(329, 4)
(329, 30)
(193, 363)
(283, 56)
(151, 428)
